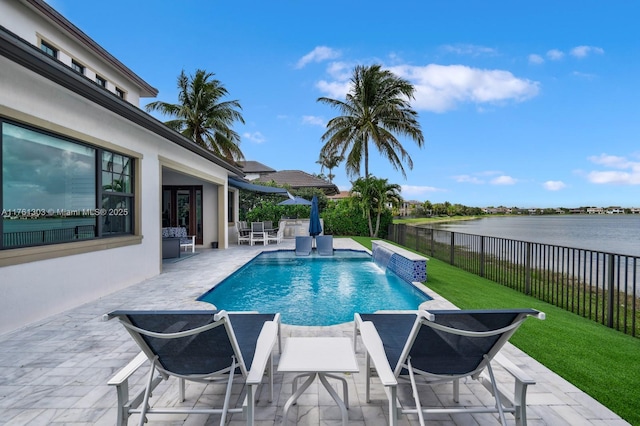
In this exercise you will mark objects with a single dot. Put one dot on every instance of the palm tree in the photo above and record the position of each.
(375, 108)
(374, 194)
(330, 160)
(201, 115)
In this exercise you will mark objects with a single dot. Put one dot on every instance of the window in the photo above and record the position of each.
(48, 49)
(77, 66)
(101, 81)
(117, 194)
(52, 191)
(120, 92)
(231, 206)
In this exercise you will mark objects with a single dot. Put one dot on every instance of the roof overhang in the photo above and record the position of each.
(241, 184)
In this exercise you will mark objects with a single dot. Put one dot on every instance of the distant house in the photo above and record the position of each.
(408, 207)
(254, 170)
(297, 179)
(497, 210)
(339, 196)
(615, 210)
(595, 210)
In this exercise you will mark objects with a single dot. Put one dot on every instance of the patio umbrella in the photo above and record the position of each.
(315, 228)
(295, 201)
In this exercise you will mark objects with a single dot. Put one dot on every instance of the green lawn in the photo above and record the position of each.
(602, 362)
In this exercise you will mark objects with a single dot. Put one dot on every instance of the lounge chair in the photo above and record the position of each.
(324, 245)
(244, 235)
(303, 245)
(200, 346)
(257, 233)
(425, 347)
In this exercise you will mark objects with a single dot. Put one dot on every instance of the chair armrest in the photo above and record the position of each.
(375, 349)
(264, 348)
(514, 370)
(125, 372)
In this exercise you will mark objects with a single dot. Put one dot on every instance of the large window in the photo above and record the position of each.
(56, 190)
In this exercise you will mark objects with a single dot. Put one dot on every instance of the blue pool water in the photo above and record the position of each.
(314, 290)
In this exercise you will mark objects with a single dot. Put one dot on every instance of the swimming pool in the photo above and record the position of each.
(313, 290)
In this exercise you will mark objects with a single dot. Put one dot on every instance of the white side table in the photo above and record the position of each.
(318, 356)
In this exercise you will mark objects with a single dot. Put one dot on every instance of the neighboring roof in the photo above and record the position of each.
(146, 90)
(242, 184)
(297, 179)
(254, 167)
(339, 196)
(25, 54)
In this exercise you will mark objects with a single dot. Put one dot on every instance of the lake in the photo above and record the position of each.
(618, 234)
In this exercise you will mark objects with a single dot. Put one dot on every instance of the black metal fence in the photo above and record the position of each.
(597, 285)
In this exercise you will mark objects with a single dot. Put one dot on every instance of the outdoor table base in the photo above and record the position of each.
(318, 357)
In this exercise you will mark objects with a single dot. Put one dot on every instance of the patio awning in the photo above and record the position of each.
(237, 183)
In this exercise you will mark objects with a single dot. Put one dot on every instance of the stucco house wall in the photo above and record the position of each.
(36, 282)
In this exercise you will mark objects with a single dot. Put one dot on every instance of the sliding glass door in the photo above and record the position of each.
(182, 206)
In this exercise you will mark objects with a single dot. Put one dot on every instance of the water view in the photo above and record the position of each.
(608, 233)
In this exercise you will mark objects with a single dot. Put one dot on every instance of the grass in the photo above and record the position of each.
(600, 361)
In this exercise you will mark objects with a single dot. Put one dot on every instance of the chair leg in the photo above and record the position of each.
(147, 394)
(496, 395)
(416, 395)
(227, 395)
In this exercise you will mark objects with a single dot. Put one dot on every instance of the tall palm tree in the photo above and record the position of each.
(330, 160)
(376, 107)
(202, 117)
(374, 194)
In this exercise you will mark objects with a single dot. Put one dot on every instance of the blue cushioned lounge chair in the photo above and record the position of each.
(202, 346)
(427, 347)
(324, 245)
(303, 245)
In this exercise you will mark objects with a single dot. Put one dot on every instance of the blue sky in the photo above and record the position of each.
(528, 103)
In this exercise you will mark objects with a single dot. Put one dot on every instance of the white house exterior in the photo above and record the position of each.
(70, 144)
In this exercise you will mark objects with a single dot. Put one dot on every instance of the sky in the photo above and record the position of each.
(522, 104)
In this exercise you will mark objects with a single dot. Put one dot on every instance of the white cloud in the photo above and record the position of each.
(584, 51)
(255, 137)
(583, 75)
(334, 89)
(554, 185)
(409, 191)
(627, 173)
(535, 59)
(470, 49)
(555, 54)
(313, 120)
(503, 180)
(340, 70)
(440, 88)
(468, 179)
(319, 54)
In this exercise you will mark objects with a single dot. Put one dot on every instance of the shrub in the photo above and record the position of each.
(346, 218)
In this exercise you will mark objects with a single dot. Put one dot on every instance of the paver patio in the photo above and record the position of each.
(55, 372)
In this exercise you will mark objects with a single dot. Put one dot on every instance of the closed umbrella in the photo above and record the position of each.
(315, 228)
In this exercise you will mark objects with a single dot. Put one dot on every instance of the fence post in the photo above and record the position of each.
(452, 249)
(527, 268)
(482, 256)
(610, 292)
(432, 242)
